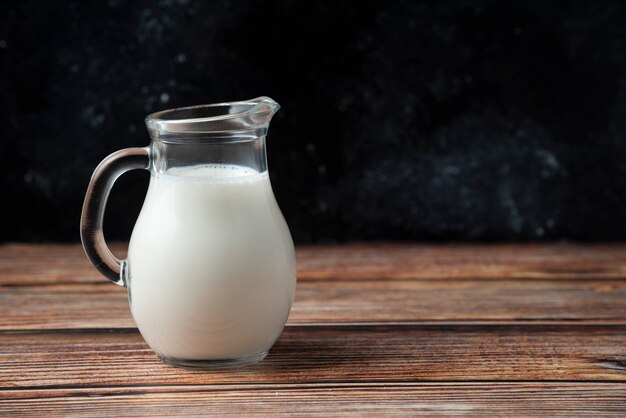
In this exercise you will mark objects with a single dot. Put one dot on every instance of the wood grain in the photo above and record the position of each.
(75, 306)
(495, 261)
(521, 399)
(27, 263)
(376, 329)
(318, 354)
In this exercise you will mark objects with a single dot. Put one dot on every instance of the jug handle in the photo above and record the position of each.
(92, 216)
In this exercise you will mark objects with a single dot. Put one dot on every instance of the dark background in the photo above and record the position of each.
(447, 120)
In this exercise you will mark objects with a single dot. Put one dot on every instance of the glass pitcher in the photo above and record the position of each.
(211, 264)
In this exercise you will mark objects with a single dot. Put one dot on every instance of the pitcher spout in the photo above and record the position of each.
(265, 107)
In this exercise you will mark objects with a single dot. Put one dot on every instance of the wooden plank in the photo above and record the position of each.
(522, 399)
(309, 354)
(75, 306)
(50, 263)
(27, 263)
(466, 301)
(463, 261)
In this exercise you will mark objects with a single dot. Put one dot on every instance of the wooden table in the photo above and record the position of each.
(375, 330)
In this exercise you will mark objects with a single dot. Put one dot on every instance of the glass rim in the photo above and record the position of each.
(226, 117)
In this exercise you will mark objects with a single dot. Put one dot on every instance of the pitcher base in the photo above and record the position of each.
(215, 363)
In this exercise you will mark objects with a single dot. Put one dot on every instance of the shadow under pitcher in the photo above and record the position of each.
(211, 270)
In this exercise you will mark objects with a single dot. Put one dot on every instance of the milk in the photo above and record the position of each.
(212, 264)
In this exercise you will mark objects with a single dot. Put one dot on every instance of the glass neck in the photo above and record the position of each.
(247, 152)
(230, 133)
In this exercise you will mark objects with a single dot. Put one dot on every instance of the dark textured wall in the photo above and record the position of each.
(447, 120)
